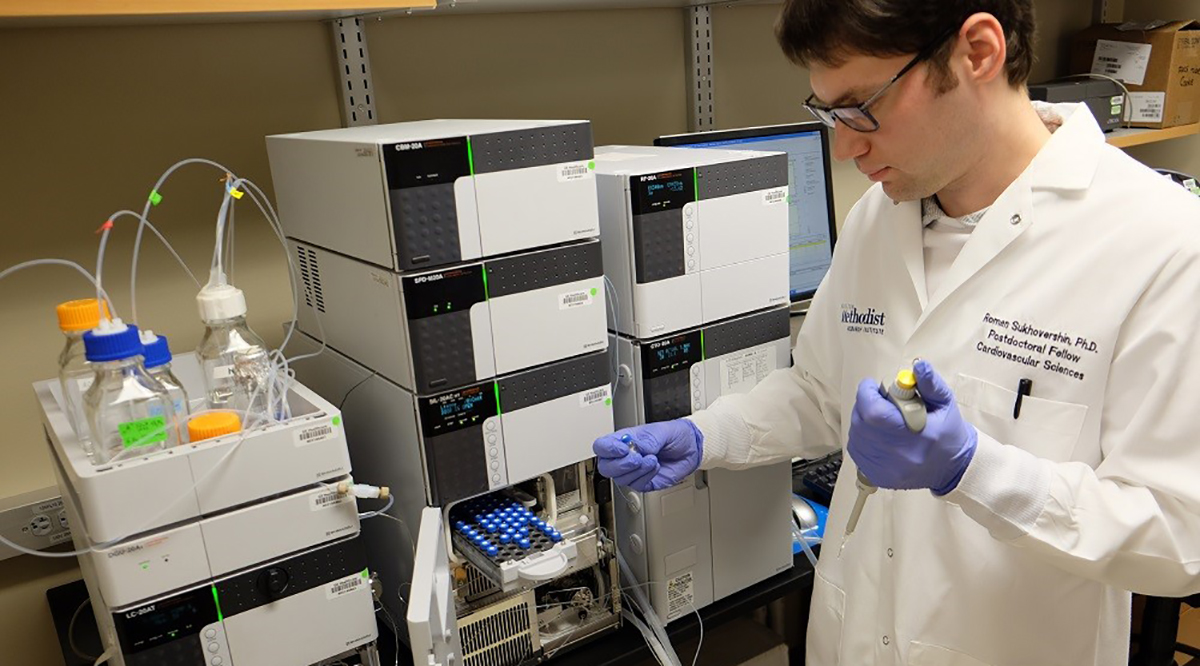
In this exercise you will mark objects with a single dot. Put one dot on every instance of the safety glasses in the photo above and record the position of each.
(858, 117)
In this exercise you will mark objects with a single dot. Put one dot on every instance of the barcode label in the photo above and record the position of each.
(314, 434)
(346, 585)
(1124, 61)
(596, 396)
(574, 171)
(329, 499)
(681, 595)
(775, 196)
(575, 299)
(1146, 107)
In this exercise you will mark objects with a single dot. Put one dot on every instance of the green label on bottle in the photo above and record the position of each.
(144, 432)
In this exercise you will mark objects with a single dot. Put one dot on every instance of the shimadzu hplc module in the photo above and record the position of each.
(412, 196)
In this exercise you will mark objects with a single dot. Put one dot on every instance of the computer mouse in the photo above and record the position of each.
(803, 513)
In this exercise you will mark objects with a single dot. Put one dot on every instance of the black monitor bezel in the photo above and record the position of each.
(689, 138)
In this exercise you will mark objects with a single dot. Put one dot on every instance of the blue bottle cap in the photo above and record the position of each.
(510, 530)
(524, 531)
(555, 536)
(492, 527)
(524, 543)
(493, 551)
(115, 345)
(156, 352)
(506, 538)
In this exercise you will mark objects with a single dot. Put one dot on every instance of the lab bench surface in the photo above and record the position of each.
(626, 646)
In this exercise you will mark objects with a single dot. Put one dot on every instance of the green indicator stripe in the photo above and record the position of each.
(483, 270)
(703, 356)
(217, 601)
(470, 157)
(496, 386)
(696, 183)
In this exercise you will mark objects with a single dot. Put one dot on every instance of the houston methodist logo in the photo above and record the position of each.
(863, 321)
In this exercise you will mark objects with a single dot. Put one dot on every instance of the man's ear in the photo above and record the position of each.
(982, 47)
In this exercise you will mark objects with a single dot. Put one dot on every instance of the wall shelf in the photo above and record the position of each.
(1125, 138)
(119, 12)
(58, 13)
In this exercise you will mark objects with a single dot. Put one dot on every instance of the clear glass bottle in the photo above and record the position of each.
(75, 374)
(157, 361)
(128, 411)
(235, 362)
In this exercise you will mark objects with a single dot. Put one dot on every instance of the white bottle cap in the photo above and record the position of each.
(218, 303)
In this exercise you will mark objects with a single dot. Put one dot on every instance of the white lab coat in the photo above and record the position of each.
(1086, 267)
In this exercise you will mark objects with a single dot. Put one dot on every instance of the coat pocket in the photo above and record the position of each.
(825, 619)
(1046, 428)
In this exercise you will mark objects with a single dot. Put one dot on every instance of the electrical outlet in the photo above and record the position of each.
(34, 520)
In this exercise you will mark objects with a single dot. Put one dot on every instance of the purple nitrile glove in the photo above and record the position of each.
(892, 456)
(650, 457)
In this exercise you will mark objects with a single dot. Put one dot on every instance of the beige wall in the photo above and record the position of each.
(91, 116)
(621, 69)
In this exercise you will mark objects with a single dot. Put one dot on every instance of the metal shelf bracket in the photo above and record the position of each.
(354, 72)
(701, 106)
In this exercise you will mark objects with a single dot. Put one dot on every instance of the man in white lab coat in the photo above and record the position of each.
(1052, 282)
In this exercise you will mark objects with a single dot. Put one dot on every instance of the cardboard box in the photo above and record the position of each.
(1158, 61)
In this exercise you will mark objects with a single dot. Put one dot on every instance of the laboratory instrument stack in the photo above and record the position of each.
(453, 278)
(696, 243)
(233, 548)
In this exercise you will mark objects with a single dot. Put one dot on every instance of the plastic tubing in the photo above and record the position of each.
(137, 242)
(371, 514)
(643, 603)
(615, 310)
(808, 551)
(100, 293)
(104, 245)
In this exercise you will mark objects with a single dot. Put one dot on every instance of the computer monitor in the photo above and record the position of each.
(811, 224)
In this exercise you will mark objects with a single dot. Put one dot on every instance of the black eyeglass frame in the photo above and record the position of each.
(830, 115)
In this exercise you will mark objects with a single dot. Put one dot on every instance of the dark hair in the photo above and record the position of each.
(827, 31)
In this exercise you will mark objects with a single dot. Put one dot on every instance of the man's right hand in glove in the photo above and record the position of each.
(650, 457)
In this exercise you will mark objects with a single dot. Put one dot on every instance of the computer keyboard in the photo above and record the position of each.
(816, 478)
